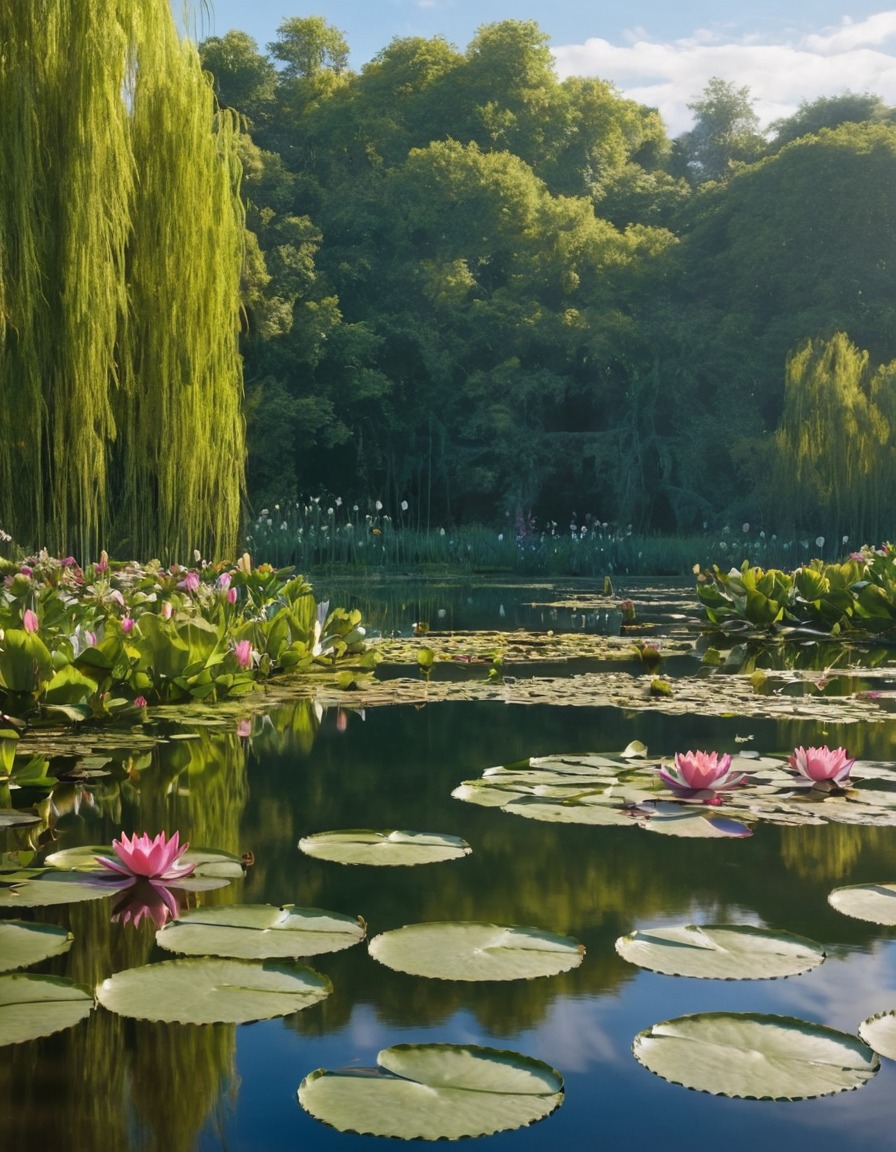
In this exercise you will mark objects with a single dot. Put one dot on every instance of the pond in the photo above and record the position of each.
(301, 768)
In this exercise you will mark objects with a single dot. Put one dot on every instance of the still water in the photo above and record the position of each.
(111, 1083)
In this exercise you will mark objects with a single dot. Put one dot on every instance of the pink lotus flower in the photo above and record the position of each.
(157, 859)
(696, 771)
(224, 581)
(190, 582)
(821, 764)
(30, 621)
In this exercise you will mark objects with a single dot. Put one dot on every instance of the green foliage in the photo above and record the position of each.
(104, 641)
(855, 596)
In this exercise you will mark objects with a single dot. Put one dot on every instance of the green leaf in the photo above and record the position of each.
(33, 1006)
(434, 1092)
(720, 951)
(260, 932)
(873, 902)
(22, 945)
(397, 847)
(756, 1057)
(212, 991)
(39, 887)
(472, 951)
(12, 816)
(209, 862)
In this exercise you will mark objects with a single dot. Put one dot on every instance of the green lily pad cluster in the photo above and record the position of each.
(625, 791)
(856, 595)
(109, 638)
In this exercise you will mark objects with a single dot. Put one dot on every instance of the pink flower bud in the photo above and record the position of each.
(167, 610)
(243, 652)
(127, 624)
(30, 621)
(231, 595)
(139, 701)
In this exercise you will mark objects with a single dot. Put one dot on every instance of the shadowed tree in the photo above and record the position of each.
(121, 239)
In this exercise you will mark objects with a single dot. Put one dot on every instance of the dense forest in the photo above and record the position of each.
(476, 288)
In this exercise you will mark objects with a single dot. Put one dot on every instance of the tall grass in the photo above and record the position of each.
(331, 535)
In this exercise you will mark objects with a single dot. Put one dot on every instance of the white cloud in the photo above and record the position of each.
(857, 55)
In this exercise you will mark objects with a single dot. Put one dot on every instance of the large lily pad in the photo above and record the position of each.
(873, 902)
(211, 991)
(434, 1092)
(33, 1006)
(474, 951)
(39, 887)
(880, 1032)
(720, 951)
(260, 932)
(12, 816)
(755, 1056)
(24, 944)
(209, 863)
(397, 847)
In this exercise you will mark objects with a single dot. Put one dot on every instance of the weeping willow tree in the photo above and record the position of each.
(835, 454)
(120, 254)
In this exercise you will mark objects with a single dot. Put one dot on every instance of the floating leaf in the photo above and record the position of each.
(211, 991)
(39, 887)
(260, 932)
(32, 1006)
(874, 902)
(434, 1092)
(880, 1032)
(208, 862)
(12, 816)
(720, 951)
(365, 846)
(473, 951)
(755, 1056)
(22, 945)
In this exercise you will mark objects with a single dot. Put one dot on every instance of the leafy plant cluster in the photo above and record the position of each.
(110, 638)
(857, 594)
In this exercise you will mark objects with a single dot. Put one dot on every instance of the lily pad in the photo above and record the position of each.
(880, 1032)
(434, 1092)
(873, 902)
(467, 950)
(33, 1006)
(260, 932)
(720, 951)
(39, 887)
(24, 944)
(365, 846)
(9, 817)
(754, 1056)
(209, 863)
(212, 991)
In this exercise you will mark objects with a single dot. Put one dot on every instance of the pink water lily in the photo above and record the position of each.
(822, 764)
(157, 859)
(696, 771)
(242, 649)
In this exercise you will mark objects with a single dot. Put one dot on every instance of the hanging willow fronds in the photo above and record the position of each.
(120, 253)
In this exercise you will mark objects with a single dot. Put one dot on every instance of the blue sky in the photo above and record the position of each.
(660, 52)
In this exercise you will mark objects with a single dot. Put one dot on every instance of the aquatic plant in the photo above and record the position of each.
(156, 859)
(699, 770)
(822, 764)
(103, 640)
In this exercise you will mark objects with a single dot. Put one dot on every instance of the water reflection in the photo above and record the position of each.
(296, 770)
